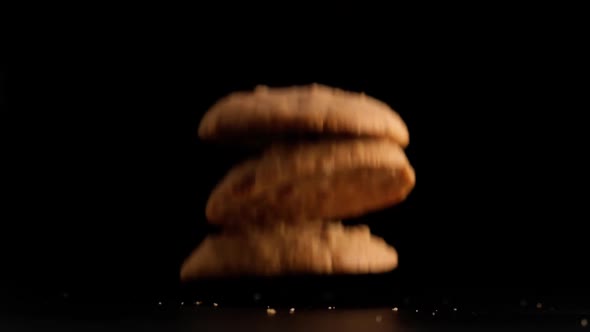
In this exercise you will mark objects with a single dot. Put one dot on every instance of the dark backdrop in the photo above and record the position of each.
(104, 180)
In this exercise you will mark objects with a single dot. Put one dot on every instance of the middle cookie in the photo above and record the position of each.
(331, 179)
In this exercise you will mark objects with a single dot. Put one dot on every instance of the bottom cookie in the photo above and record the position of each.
(315, 248)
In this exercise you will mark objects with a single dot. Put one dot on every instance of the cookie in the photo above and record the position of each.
(326, 248)
(331, 179)
(271, 113)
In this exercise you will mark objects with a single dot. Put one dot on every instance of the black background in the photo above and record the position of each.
(105, 181)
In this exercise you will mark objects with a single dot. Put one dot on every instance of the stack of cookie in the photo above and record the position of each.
(328, 155)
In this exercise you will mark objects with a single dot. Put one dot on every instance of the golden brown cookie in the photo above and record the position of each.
(333, 179)
(325, 248)
(268, 113)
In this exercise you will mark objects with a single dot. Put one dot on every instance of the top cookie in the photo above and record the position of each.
(306, 110)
